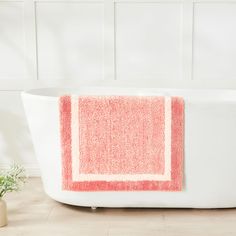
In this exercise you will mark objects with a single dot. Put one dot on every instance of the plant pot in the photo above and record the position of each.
(3, 213)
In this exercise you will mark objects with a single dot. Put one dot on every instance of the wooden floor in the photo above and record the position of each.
(32, 213)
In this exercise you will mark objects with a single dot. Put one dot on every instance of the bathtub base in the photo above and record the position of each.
(137, 200)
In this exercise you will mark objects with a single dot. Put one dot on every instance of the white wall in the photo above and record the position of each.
(68, 43)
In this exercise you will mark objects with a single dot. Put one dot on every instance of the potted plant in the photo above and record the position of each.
(10, 180)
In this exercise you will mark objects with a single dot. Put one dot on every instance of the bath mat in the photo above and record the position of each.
(121, 143)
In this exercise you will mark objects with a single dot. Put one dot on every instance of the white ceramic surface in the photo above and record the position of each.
(210, 149)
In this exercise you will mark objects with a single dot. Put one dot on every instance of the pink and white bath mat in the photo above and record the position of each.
(127, 143)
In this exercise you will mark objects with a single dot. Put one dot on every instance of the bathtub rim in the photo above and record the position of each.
(201, 95)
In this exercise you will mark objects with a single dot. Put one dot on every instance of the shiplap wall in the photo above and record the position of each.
(188, 44)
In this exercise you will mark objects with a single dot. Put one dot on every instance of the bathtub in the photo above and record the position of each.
(210, 149)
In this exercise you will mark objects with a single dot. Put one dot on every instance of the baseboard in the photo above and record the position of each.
(31, 171)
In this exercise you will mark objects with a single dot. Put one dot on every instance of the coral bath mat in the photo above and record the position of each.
(120, 143)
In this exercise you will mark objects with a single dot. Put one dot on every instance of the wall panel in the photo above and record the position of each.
(148, 41)
(214, 41)
(69, 40)
(12, 44)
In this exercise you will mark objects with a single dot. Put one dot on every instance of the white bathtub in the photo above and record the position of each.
(210, 149)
